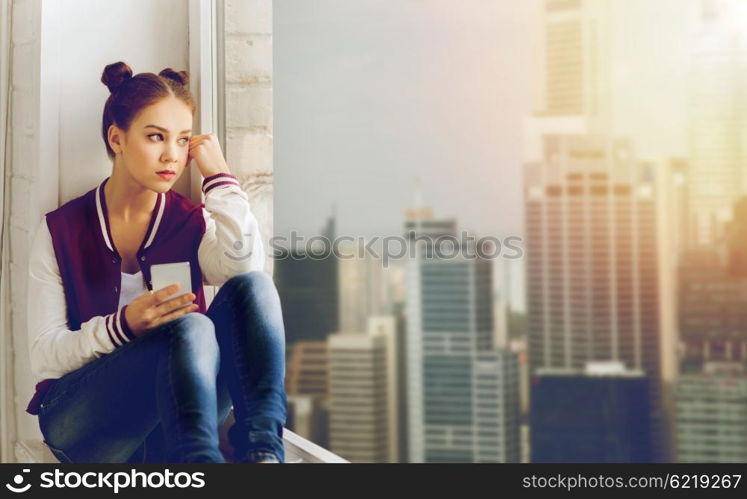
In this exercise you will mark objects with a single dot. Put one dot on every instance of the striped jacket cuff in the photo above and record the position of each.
(117, 328)
(219, 180)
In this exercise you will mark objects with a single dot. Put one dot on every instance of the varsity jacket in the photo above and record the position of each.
(74, 273)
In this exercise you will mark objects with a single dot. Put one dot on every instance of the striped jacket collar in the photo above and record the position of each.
(150, 234)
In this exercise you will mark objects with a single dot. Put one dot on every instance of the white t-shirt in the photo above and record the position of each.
(133, 285)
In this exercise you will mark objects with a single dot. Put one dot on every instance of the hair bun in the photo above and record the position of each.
(116, 74)
(181, 77)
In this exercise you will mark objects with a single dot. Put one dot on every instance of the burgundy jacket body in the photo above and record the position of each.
(90, 265)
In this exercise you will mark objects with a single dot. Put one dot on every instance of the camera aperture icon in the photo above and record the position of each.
(18, 480)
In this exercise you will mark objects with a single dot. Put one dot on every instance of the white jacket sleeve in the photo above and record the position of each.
(54, 349)
(232, 243)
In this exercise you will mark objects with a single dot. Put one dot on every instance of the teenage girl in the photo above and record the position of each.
(128, 373)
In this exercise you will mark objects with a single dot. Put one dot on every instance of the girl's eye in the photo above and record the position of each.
(185, 140)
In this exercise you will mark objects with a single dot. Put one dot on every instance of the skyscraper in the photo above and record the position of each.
(718, 116)
(307, 387)
(712, 314)
(572, 70)
(591, 251)
(592, 262)
(362, 287)
(574, 49)
(711, 414)
(591, 415)
(595, 291)
(462, 394)
(307, 283)
(712, 295)
(307, 370)
(364, 393)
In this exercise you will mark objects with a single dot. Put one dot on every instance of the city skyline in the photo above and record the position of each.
(619, 304)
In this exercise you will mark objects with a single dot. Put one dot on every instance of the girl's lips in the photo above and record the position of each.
(166, 175)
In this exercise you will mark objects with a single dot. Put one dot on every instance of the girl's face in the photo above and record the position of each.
(154, 151)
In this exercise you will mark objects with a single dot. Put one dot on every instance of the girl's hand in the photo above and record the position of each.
(150, 310)
(206, 152)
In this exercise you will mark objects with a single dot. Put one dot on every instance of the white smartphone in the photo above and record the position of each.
(163, 275)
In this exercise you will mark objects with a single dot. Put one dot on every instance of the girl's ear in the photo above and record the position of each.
(115, 139)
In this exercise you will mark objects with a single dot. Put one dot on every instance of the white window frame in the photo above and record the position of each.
(203, 70)
(207, 79)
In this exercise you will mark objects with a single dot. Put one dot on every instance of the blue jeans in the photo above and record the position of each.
(163, 396)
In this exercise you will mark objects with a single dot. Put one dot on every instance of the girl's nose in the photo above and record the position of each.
(169, 154)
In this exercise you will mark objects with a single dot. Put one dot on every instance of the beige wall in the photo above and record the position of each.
(248, 107)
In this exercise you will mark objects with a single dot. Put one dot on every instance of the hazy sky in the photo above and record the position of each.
(371, 94)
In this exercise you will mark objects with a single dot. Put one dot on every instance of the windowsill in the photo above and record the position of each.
(297, 450)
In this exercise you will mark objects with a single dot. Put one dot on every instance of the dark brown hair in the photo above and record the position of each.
(131, 94)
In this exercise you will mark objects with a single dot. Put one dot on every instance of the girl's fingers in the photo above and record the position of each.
(196, 144)
(158, 297)
(173, 303)
(176, 313)
(198, 139)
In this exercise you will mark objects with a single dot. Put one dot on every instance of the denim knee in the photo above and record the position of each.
(197, 332)
(254, 282)
(256, 289)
